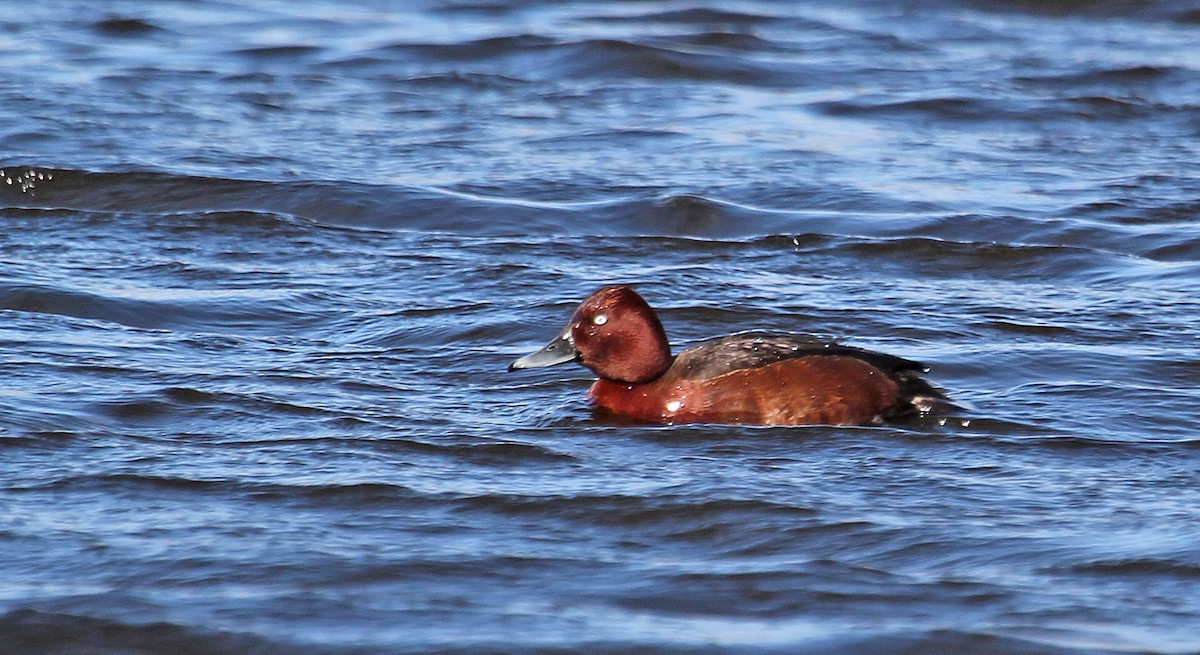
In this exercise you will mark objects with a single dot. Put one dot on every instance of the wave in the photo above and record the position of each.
(223, 202)
(194, 309)
(33, 632)
(37, 632)
(717, 57)
(1140, 568)
(1096, 241)
(1185, 13)
(1090, 106)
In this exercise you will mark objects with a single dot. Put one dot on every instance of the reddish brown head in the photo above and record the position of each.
(614, 333)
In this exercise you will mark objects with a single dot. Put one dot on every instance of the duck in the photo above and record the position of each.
(754, 378)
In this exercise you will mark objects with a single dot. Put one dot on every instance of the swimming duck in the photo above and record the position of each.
(764, 378)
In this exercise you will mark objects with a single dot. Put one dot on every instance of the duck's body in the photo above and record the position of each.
(753, 377)
(768, 379)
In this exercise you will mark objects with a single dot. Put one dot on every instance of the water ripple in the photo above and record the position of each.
(264, 265)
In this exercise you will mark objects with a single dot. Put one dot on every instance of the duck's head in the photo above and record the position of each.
(615, 333)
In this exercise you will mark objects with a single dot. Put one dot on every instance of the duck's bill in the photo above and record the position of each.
(559, 351)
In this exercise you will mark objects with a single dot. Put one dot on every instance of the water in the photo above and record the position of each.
(264, 265)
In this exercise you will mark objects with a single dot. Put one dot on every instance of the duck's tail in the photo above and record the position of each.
(918, 397)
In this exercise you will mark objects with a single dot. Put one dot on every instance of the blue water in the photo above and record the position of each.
(263, 265)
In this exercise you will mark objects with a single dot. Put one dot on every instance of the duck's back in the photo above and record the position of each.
(748, 350)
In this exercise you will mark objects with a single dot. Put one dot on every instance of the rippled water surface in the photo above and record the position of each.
(264, 265)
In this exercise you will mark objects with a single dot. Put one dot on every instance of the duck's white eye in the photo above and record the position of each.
(600, 319)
